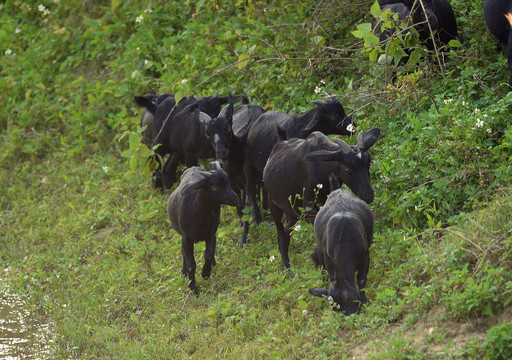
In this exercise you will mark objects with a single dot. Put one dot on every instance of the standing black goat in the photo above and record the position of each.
(300, 168)
(194, 211)
(344, 233)
(498, 18)
(328, 116)
(428, 17)
(227, 134)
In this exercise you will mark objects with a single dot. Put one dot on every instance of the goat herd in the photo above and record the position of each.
(288, 159)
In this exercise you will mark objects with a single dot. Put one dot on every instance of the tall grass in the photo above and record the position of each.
(87, 239)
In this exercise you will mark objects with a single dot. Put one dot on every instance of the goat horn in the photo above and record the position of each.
(346, 148)
(360, 140)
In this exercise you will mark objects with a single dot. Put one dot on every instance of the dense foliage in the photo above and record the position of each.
(84, 235)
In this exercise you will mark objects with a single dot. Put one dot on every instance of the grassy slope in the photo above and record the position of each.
(86, 237)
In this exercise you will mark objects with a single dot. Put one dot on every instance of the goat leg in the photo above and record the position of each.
(187, 246)
(209, 257)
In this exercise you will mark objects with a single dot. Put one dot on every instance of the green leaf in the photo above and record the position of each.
(178, 95)
(319, 40)
(371, 40)
(358, 34)
(243, 60)
(362, 30)
(114, 4)
(414, 58)
(375, 9)
(454, 43)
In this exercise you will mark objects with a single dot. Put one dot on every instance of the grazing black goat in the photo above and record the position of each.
(226, 134)
(297, 175)
(194, 211)
(344, 233)
(149, 102)
(428, 16)
(328, 117)
(498, 18)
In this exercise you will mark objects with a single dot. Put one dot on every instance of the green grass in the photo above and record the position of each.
(87, 240)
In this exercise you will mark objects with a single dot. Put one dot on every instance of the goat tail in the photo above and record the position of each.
(509, 18)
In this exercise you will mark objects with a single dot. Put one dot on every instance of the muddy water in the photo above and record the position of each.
(23, 334)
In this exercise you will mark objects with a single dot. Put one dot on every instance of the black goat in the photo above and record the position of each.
(299, 168)
(194, 211)
(344, 234)
(428, 16)
(498, 18)
(227, 135)
(149, 102)
(178, 130)
(328, 117)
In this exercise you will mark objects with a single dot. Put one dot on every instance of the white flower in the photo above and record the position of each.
(41, 8)
(351, 128)
(319, 186)
(463, 103)
(148, 10)
(272, 258)
(479, 123)
(305, 312)
(430, 330)
(105, 169)
(138, 48)
(485, 115)
(8, 52)
(477, 110)
(317, 90)
(489, 131)
(139, 18)
(322, 82)
(296, 227)
(330, 299)
(17, 30)
(448, 101)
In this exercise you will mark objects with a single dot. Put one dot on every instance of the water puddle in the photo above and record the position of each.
(23, 334)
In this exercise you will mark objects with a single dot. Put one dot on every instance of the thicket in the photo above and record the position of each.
(86, 237)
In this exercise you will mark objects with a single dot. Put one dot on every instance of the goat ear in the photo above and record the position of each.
(146, 102)
(312, 123)
(333, 183)
(325, 155)
(227, 111)
(319, 102)
(281, 133)
(320, 292)
(369, 139)
(203, 118)
(198, 184)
